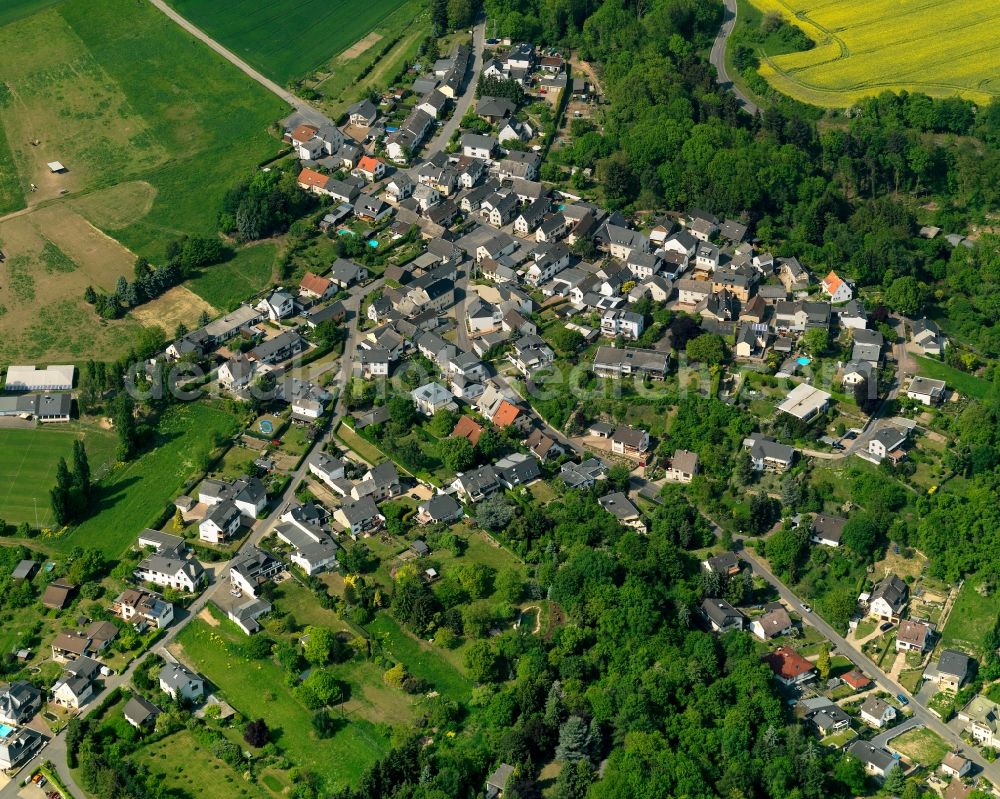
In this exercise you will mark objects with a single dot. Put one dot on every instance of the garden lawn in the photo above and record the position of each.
(257, 689)
(286, 39)
(11, 10)
(136, 495)
(971, 620)
(227, 285)
(203, 775)
(962, 382)
(28, 461)
(420, 658)
(922, 746)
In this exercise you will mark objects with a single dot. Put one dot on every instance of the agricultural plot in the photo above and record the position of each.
(863, 48)
(287, 39)
(135, 496)
(28, 461)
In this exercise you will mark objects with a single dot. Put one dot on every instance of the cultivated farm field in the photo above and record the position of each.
(28, 459)
(864, 47)
(286, 39)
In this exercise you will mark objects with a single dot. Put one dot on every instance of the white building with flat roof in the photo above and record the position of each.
(31, 378)
(805, 401)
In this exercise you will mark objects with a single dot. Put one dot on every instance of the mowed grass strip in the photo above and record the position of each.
(225, 286)
(134, 496)
(28, 461)
(11, 196)
(286, 39)
(257, 689)
(863, 48)
(962, 382)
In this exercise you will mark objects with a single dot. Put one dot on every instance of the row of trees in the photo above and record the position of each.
(71, 496)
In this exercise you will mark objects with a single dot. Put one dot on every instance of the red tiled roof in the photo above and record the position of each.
(315, 284)
(832, 282)
(467, 427)
(368, 163)
(787, 663)
(855, 679)
(304, 133)
(506, 414)
(310, 177)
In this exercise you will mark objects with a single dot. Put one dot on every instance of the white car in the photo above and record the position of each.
(806, 608)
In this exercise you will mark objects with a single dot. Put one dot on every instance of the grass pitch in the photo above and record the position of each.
(28, 461)
(864, 47)
(285, 39)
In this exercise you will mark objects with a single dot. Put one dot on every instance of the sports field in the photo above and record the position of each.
(286, 39)
(864, 47)
(28, 461)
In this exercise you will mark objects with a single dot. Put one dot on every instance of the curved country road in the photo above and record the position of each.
(718, 58)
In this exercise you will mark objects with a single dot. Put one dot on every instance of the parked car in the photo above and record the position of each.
(806, 608)
(902, 699)
(886, 627)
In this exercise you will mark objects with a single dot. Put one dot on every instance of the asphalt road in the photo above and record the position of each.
(718, 58)
(920, 713)
(462, 103)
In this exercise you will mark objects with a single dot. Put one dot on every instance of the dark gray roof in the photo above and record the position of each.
(720, 611)
(441, 506)
(893, 590)
(954, 663)
(140, 710)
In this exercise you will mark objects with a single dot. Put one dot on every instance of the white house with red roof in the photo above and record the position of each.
(789, 667)
(370, 168)
(316, 287)
(837, 289)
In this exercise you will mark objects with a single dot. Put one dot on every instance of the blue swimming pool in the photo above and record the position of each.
(345, 232)
(802, 360)
(372, 243)
(5, 730)
(266, 426)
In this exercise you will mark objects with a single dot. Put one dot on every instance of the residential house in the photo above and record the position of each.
(315, 287)
(627, 324)
(246, 493)
(927, 338)
(857, 372)
(281, 347)
(956, 766)
(683, 466)
(767, 454)
(853, 316)
(277, 306)
(313, 548)
(693, 292)
(720, 615)
(482, 317)
(143, 609)
(531, 216)
(583, 475)
(549, 261)
(789, 667)
(140, 712)
(18, 746)
(469, 428)
(371, 209)
(516, 164)
(773, 624)
(439, 509)
(19, 702)
(496, 783)
(433, 103)
(615, 363)
(876, 712)
(926, 390)
(477, 484)
(372, 363)
(543, 446)
(982, 720)
(495, 109)
(432, 397)
(629, 441)
(517, 469)
(751, 341)
(76, 685)
(621, 507)
(621, 241)
(170, 570)
(514, 129)
(250, 570)
(953, 669)
(856, 680)
(805, 402)
(476, 145)
(793, 276)
(530, 354)
(913, 636)
(362, 114)
(180, 683)
(328, 469)
(829, 719)
(836, 288)
(889, 442)
(726, 564)
(888, 599)
(877, 762)
(380, 482)
(370, 168)
(552, 229)
(826, 530)
(359, 517)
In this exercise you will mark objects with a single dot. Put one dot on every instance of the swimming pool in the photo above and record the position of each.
(345, 232)
(802, 360)
(5, 730)
(373, 243)
(266, 426)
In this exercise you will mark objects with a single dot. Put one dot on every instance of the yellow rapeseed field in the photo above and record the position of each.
(863, 47)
